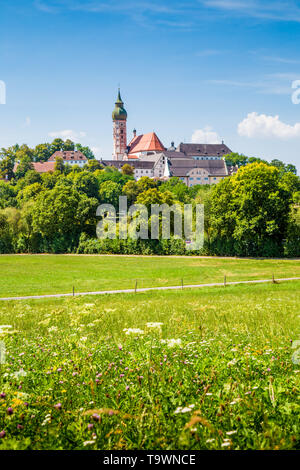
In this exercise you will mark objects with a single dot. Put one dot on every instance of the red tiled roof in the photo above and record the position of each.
(146, 143)
(68, 155)
(44, 167)
(39, 167)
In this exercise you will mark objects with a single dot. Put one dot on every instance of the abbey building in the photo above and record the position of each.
(192, 163)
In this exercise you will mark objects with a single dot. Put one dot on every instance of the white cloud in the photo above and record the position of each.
(68, 134)
(262, 125)
(205, 136)
(286, 10)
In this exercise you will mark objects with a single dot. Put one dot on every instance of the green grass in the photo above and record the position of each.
(233, 370)
(50, 274)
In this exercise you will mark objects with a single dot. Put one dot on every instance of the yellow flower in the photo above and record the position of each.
(17, 402)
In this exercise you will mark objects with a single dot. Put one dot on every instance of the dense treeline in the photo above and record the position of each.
(253, 213)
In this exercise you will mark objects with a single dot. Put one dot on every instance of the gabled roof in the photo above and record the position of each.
(205, 150)
(183, 167)
(40, 167)
(146, 143)
(68, 156)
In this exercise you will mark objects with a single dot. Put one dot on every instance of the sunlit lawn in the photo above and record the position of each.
(48, 274)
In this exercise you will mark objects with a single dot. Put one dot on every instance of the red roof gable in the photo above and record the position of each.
(146, 143)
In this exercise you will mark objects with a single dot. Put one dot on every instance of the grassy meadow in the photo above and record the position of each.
(50, 274)
(212, 368)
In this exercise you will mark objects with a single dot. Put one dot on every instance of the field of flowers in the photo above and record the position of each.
(208, 369)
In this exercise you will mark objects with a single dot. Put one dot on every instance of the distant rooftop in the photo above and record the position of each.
(68, 155)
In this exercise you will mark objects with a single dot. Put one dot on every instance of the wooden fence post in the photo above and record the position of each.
(135, 286)
(225, 281)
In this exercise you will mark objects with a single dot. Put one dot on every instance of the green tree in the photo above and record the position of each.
(42, 152)
(86, 151)
(93, 165)
(253, 209)
(61, 214)
(127, 170)
(24, 165)
(68, 145)
(59, 165)
(109, 193)
(86, 183)
(7, 195)
(56, 146)
(29, 193)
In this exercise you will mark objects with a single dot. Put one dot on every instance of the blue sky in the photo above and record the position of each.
(196, 70)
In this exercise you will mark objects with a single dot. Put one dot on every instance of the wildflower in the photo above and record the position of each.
(185, 409)
(134, 331)
(19, 373)
(52, 328)
(2, 434)
(229, 433)
(226, 444)
(90, 426)
(2, 395)
(88, 443)
(156, 325)
(171, 343)
(58, 406)
(10, 411)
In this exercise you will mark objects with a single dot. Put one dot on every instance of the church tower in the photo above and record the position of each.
(119, 117)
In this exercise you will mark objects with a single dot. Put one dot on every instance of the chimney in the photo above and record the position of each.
(134, 132)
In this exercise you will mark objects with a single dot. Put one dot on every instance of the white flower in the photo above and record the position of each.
(154, 325)
(229, 433)
(83, 339)
(226, 444)
(52, 328)
(185, 409)
(4, 328)
(19, 373)
(88, 443)
(171, 343)
(232, 363)
(133, 331)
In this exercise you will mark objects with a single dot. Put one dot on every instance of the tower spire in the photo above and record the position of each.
(119, 117)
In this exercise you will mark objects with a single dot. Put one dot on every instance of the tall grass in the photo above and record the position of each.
(215, 371)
